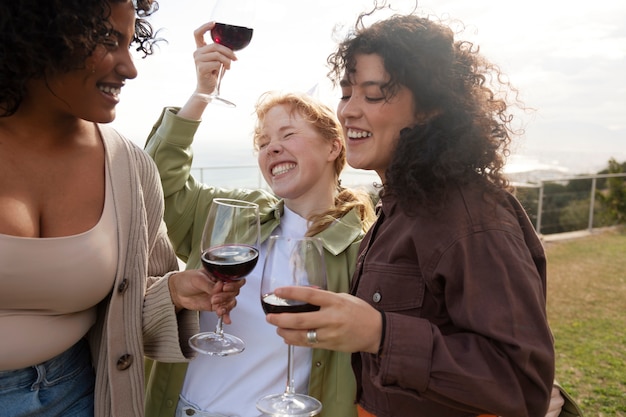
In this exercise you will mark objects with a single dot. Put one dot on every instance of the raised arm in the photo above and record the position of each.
(169, 145)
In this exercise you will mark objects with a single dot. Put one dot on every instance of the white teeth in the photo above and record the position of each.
(282, 168)
(110, 90)
(353, 134)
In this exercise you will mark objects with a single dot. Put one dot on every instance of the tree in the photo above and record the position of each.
(613, 198)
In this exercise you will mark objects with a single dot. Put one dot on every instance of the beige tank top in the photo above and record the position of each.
(49, 288)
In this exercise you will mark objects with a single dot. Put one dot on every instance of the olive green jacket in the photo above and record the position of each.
(187, 204)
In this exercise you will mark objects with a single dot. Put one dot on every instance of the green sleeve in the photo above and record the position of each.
(187, 201)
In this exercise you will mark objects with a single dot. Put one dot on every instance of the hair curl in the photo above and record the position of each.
(325, 121)
(468, 129)
(41, 37)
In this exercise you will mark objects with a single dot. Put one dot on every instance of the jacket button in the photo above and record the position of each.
(376, 297)
(318, 364)
(124, 362)
(123, 286)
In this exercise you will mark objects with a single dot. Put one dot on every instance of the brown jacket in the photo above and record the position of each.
(463, 293)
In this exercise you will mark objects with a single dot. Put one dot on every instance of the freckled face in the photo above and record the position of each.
(295, 160)
(93, 92)
(372, 123)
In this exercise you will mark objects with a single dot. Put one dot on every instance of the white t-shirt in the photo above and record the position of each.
(231, 385)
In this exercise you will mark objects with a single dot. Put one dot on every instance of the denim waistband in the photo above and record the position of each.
(49, 370)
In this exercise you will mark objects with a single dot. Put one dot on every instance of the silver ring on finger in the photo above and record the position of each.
(311, 337)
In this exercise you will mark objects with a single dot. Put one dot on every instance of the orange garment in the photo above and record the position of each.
(362, 413)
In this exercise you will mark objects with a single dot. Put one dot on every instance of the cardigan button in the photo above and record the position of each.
(124, 362)
(123, 286)
(376, 297)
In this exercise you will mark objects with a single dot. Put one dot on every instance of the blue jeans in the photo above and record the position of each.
(60, 387)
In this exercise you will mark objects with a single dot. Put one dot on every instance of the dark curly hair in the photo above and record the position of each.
(468, 130)
(38, 37)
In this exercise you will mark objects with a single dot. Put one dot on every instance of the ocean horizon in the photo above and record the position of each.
(238, 168)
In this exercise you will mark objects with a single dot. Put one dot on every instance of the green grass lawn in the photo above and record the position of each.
(587, 313)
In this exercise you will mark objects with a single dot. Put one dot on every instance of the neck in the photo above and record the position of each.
(311, 204)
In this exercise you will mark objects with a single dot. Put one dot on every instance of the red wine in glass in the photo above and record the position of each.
(230, 262)
(229, 251)
(274, 304)
(234, 20)
(231, 36)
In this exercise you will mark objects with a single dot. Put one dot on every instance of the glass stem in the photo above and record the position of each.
(289, 389)
(220, 74)
(219, 327)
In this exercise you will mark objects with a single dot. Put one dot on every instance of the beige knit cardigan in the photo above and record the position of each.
(138, 316)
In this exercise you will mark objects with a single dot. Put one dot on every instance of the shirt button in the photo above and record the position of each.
(124, 362)
(123, 285)
(376, 297)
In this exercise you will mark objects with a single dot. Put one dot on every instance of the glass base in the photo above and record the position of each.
(289, 405)
(211, 343)
(214, 98)
(223, 101)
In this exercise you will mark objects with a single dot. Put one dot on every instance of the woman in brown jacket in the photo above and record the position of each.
(447, 315)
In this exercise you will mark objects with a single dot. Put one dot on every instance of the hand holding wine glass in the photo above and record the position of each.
(233, 29)
(230, 250)
(291, 262)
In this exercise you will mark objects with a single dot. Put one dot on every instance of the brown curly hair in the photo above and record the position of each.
(39, 37)
(468, 131)
(325, 121)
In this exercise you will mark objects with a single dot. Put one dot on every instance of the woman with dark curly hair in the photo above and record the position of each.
(85, 260)
(447, 315)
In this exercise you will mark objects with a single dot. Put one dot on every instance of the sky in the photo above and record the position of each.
(567, 59)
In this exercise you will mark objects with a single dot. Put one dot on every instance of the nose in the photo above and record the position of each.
(348, 109)
(126, 65)
(274, 147)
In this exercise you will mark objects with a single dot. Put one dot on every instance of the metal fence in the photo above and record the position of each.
(556, 205)
(570, 204)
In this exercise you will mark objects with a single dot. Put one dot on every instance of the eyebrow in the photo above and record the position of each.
(346, 83)
(121, 36)
(285, 127)
(281, 129)
(115, 32)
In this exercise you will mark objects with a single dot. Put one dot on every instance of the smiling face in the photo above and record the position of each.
(296, 161)
(372, 122)
(93, 92)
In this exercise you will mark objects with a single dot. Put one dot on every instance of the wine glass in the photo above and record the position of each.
(230, 250)
(233, 29)
(291, 261)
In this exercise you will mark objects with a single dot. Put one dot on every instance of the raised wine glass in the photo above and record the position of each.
(289, 262)
(230, 251)
(233, 28)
